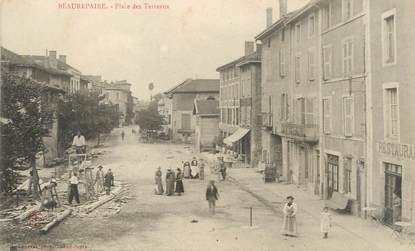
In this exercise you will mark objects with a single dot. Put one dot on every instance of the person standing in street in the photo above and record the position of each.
(222, 169)
(170, 182)
(73, 188)
(79, 143)
(325, 223)
(212, 195)
(202, 170)
(108, 181)
(159, 190)
(186, 169)
(194, 168)
(179, 182)
(99, 180)
(122, 135)
(289, 226)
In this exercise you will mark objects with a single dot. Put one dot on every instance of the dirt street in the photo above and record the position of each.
(154, 222)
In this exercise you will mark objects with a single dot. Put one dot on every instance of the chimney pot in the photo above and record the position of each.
(62, 58)
(249, 47)
(283, 8)
(269, 17)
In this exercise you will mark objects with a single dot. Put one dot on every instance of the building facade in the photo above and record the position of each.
(51, 78)
(240, 105)
(343, 81)
(182, 99)
(207, 116)
(391, 138)
(119, 94)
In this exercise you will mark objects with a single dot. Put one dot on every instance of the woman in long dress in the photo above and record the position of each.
(159, 190)
(170, 182)
(186, 170)
(289, 226)
(179, 183)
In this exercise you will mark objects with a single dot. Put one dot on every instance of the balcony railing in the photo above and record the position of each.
(184, 130)
(307, 133)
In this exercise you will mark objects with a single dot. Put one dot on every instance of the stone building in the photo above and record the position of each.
(240, 104)
(119, 94)
(390, 125)
(182, 99)
(53, 79)
(207, 116)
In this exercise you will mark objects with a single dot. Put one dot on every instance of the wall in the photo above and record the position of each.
(400, 74)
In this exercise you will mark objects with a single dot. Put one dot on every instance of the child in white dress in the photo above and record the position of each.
(325, 223)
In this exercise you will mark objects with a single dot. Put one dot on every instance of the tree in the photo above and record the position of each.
(87, 114)
(149, 119)
(29, 116)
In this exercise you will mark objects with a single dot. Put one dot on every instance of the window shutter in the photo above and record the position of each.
(310, 111)
(348, 116)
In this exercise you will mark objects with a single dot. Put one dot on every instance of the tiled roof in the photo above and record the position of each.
(19, 60)
(195, 86)
(206, 107)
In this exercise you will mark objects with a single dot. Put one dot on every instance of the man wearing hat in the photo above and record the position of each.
(99, 180)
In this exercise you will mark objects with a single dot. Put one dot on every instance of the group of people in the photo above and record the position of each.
(102, 182)
(174, 182)
(289, 226)
(194, 169)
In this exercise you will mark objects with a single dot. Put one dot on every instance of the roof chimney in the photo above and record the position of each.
(62, 58)
(269, 17)
(52, 54)
(283, 8)
(249, 47)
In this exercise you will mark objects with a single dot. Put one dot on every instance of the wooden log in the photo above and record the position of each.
(104, 199)
(58, 219)
(29, 212)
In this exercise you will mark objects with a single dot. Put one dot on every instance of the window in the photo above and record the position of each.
(309, 113)
(327, 115)
(284, 107)
(311, 64)
(298, 32)
(269, 43)
(311, 25)
(392, 113)
(347, 176)
(297, 64)
(333, 173)
(347, 9)
(237, 116)
(348, 118)
(282, 62)
(301, 110)
(326, 16)
(347, 57)
(327, 61)
(389, 37)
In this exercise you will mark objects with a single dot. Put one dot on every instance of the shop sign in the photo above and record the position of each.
(405, 151)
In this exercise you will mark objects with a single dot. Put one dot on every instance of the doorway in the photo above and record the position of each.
(333, 174)
(393, 193)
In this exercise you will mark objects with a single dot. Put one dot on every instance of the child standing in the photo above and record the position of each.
(325, 223)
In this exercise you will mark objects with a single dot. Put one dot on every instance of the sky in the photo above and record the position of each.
(189, 40)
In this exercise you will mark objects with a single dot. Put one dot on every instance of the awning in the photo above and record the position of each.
(236, 136)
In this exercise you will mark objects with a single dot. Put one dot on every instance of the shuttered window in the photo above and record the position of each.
(327, 62)
(348, 117)
(327, 115)
(310, 111)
